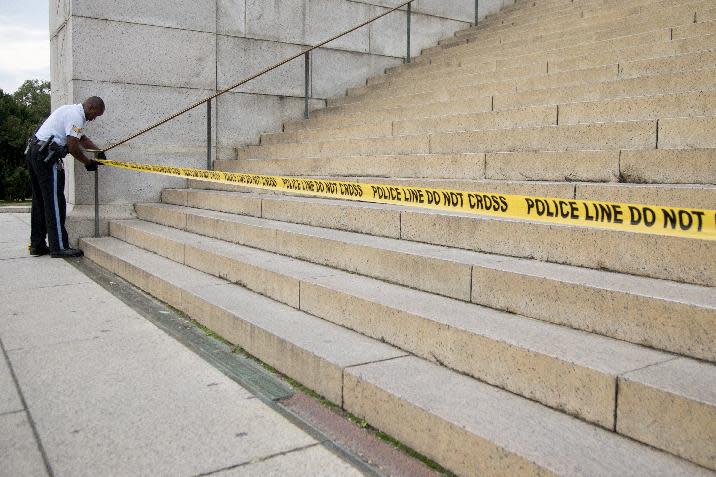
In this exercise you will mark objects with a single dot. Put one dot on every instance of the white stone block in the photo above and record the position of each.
(462, 10)
(242, 118)
(327, 18)
(231, 17)
(197, 15)
(385, 3)
(59, 13)
(61, 65)
(120, 186)
(334, 71)
(388, 36)
(142, 54)
(240, 58)
(278, 20)
(130, 108)
(488, 7)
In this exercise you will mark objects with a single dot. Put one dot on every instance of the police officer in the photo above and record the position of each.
(61, 133)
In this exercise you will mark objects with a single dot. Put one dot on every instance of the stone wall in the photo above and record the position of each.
(150, 59)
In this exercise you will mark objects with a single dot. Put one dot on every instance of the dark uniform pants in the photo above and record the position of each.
(48, 202)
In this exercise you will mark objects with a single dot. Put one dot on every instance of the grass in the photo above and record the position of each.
(7, 203)
(357, 421)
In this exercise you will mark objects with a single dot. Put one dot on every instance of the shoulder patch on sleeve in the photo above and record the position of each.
(76, 129)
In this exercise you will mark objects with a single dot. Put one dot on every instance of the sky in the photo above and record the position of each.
(24, 42)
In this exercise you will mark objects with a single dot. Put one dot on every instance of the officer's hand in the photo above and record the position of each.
(102, 155)
(91, 166)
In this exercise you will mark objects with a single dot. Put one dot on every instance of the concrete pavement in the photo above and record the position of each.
(90, 387)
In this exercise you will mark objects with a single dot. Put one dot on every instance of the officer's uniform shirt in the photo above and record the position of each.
(64, 121)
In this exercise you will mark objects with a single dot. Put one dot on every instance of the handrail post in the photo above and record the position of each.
(165, 120)
(407, 53)
(306, 79)
(477, 11)
(208, 135)
(96, 199)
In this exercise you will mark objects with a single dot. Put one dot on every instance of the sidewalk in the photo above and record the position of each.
(90, 387)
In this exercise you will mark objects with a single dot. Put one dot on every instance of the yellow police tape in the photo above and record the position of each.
(651, 219)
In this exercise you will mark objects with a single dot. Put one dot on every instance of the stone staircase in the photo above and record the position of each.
(493, 346)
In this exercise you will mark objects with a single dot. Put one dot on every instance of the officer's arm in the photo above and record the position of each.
(87, 143)
(73, 146)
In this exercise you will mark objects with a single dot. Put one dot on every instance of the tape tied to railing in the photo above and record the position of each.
(650, 219)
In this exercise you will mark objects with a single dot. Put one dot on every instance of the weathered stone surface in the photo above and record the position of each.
(20, 454)
(372, 219)
(671, 258)
(241, 58)
(600, 166)
(388, 35)
(59, 13)
(687, 133)
(672, 406)
(149, 55)
(334, 71)
(231, 17)
(656, 313)
(311, 350)
(670, 166)
(498, 433)
(129, 109)
(327, 18)
(528, 362)
(627, 135)
(9, 398)
(279, 21)
(183, 14)
(463, 10)
(61, 59)
(242, 118)
(447, 166)
(647, 107)
(315, 461)
(689, 196)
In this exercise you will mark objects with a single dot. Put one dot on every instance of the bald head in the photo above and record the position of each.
(94, 107)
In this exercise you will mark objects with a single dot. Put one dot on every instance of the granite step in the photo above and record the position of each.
(689, 54)
(671, 258)
(308, 349)
(578, 375)
(653, 166)
(423, 405)
(698, 103)
(606, 47)
(599, 18)
(290, 345)
(616, 135)
(637, 42)
(682, 318)
(576, 70)
(568, 61)
(666, 195)
(499, 99)
(630, 19)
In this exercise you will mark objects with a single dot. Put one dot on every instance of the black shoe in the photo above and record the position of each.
(38, 251)
(68, 252)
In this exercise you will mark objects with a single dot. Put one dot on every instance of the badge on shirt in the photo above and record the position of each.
(76, 129)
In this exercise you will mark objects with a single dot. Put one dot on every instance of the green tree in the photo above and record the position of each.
(17, 184)
(20, 114)
(35, 96)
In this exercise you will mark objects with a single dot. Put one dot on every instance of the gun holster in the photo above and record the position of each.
(54, 152)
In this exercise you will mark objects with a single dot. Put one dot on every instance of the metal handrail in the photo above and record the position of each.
(250, 78)
(304, 53)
